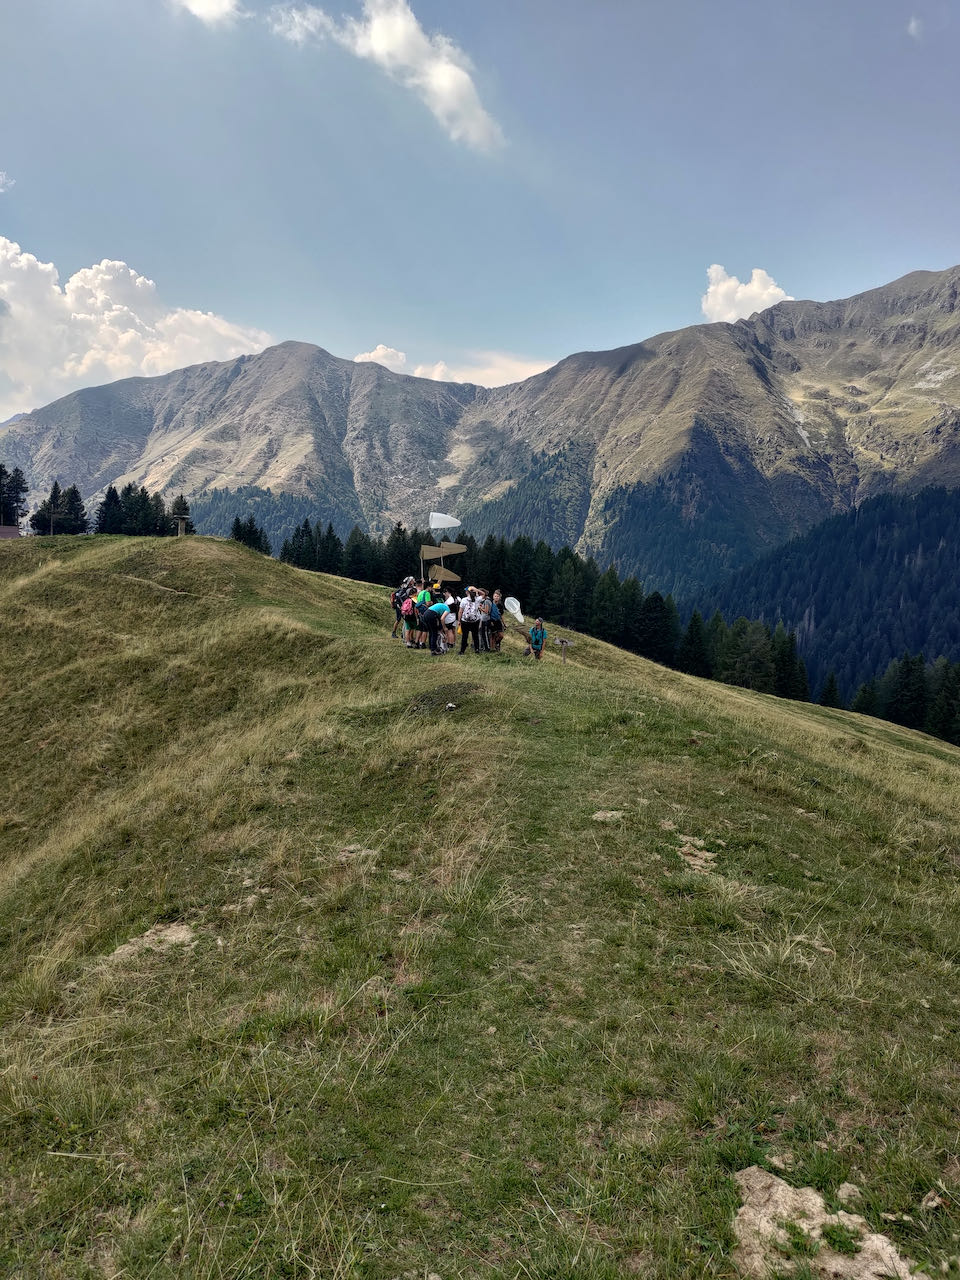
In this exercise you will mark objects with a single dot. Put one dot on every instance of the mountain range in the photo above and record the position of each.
(678, 458)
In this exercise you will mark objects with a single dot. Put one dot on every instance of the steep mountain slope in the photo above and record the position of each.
(294, 419)
(682, 456)
(318, 958)
(860, 589)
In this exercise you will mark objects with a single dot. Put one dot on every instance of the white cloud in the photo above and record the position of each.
(390, 36)
(485, 368)
(6, 182)
(728, 298)
(106, 322)
(388, 356)
(211, 11)
(915, 28)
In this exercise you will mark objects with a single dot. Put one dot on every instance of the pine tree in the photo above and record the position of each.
(75, 518)
(606, 614)
(562, 593)
(693, 655)
(13, 490)
(541, 576)
(830, 693)
(397, 559)
(48, 517)
(944, 698)
(746, 658)
(908, 698)
(803, 684)
(631, 606)
(786, 666)
(328, 550)
(356, 556)
(158, 516)
(865, 699)
(716, 637)
(180, 509)
(657, 630)
(138, 514)
(109, 518)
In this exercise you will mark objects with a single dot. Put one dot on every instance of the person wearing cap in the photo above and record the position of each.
(538, 638)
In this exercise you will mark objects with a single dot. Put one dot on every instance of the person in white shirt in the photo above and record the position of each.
(470, 620)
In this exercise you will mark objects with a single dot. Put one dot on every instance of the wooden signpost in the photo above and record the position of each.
(564, 646)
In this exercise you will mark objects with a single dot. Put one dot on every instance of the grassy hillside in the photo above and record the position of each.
(414, 1003)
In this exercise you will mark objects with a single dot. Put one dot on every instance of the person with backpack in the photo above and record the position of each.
(396, 599)
(538, 638)
(469, 621)
(408, 611)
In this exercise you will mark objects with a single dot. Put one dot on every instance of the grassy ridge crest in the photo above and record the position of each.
(398, 1001)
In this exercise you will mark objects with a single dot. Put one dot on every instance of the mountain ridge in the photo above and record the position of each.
(698, 448)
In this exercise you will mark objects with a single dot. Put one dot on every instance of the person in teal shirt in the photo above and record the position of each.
(538, 638)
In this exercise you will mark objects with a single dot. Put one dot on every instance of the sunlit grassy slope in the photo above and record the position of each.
(432, 1016)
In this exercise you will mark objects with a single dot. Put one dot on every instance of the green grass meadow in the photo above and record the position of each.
(431, 1017)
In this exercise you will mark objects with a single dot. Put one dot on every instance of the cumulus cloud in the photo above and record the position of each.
(390, 357)
(728, 298)
(6, 182)
(105, 322)
(485, 368)
(389, 35)
(915, 28)
(211, 11)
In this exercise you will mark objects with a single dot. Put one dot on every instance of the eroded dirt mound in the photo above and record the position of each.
(779, 1226)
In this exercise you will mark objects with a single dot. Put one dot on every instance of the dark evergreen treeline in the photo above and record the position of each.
(133, 511)
(916, 694)
(62, 511)
(864, 588)
(250, 534)
(277, 514)
(571, 591)
(139, 513)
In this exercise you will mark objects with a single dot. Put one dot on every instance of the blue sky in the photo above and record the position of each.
(482, 186)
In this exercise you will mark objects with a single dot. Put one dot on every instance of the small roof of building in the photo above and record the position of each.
(9, 531)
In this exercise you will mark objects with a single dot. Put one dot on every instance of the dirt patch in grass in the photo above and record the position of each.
(779, 1226)
(443, 697)
(694, 853)
(159, 938)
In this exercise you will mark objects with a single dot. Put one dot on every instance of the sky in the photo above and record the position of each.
(462, 189)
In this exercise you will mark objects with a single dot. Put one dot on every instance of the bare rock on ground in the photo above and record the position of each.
(158, 938)
(764, 1239)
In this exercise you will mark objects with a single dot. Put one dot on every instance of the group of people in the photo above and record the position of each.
(429, 615)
